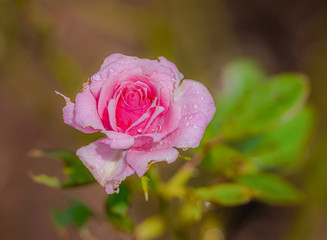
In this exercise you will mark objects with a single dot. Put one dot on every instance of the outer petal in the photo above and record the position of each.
(86, 114)
(107, 165)
(69, 116)
(118, 140)
(140, 159)
(189, 133)
(179, 76)
(110, 59)
(194, 97)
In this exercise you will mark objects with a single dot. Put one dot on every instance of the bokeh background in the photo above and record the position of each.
(56, 45)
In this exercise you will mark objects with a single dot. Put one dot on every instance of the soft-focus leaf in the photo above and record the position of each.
(117, 206)
(268, 105)
(271, 188)
(150, 228)
(228, 194)
(119, 203)
(212, 228)
(154, 179)
(121, 222)
(75, 171)
(239, 77)
(190, 211)
(176, 186)
(228, 161)
(76, 214)
(284, 146)
(46, 180)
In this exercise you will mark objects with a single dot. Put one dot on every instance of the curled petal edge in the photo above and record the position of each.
(107, 165)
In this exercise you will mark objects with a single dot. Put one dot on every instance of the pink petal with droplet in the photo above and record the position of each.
(141, 159)
(194, 97)
(107, 165)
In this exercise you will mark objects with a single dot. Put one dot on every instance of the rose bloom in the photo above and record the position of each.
(144, 112)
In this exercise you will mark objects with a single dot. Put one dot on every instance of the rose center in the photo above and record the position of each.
(133, 107)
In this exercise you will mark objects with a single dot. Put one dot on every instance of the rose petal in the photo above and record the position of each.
(194, 97)
(141, 159)
(179, 76)
(107, 165)
(189, 132)
(86, 114)
(118, 140)
(113, 77)
(110, 59)
(69, 116)
(171, 119)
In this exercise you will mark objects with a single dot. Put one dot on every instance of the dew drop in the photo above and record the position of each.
(158, 128)
(187, 124)
(139, 130)
(196, 106)
(96, 77)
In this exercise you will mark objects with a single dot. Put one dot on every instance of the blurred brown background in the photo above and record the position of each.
(55, 45)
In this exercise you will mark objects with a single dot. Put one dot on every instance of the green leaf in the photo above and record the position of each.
(228, 161)
(268, 105)
(117, 206)
(76, 214)
(239, 77)
(75, 171)
(154, 179)
(272, 189)
(119, 203)
(176, 186)
(283, 148)
(227, 194)
(150, 228)
(121, 222)
(46, 180)
(190, 211)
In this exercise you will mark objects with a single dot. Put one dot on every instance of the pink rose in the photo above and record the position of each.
(145, 113)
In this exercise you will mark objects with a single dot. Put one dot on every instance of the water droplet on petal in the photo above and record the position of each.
(158, 128)
(187, 124)
(196, 106)
(139, 130)
(96, 77)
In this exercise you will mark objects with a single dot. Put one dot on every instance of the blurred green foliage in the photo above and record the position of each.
(117, 206)
(270, 188)
(226, 194)
(76, 214)
(73, 168)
